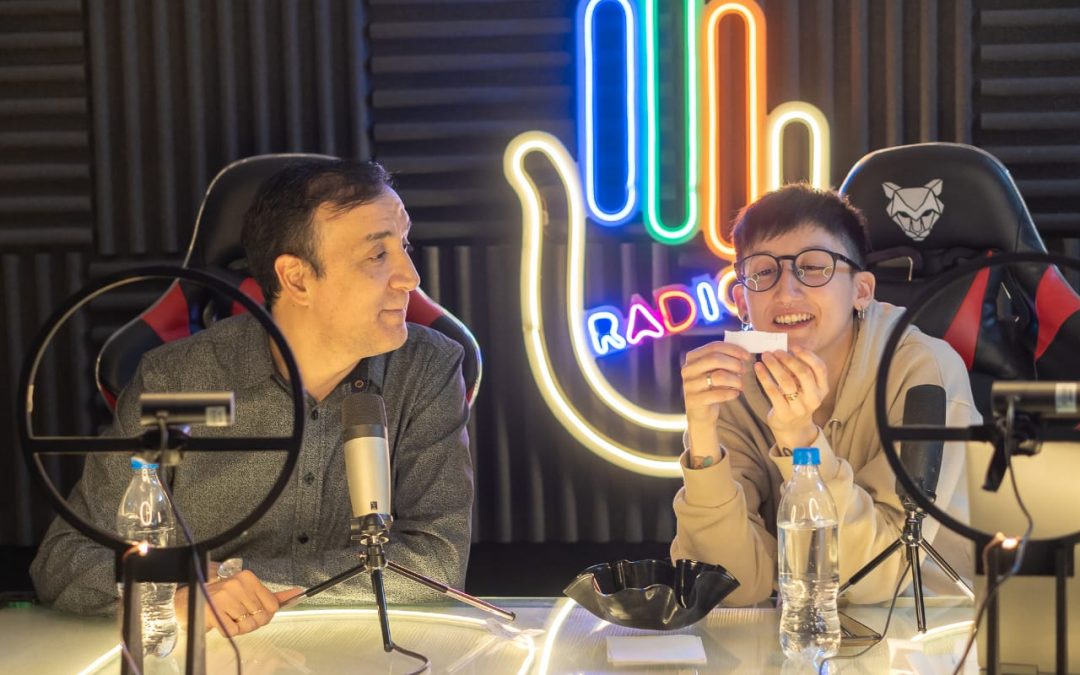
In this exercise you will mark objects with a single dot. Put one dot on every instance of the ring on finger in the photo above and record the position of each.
(708, 380)
(792, 396)
(248, 615)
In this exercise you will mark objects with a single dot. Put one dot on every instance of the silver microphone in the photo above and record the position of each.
(367, 455)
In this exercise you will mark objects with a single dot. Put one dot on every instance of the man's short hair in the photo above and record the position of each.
(280, 220)
(793, 206)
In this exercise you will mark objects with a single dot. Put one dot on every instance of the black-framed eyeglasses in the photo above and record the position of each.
(813, 267)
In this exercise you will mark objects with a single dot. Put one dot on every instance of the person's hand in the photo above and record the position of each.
(712, 375)
(796, 384)
(242, 601)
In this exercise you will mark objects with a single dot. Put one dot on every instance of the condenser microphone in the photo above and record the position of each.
(923, 405)
(367, 455)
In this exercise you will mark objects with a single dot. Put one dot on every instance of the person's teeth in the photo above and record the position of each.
(793, 318)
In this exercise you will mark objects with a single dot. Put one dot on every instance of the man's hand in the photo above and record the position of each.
(242, 602)
(796, 384)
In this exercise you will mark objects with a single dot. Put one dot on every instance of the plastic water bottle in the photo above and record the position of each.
(808, 568)
(145, 515)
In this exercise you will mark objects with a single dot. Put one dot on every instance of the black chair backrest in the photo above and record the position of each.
(932, 206)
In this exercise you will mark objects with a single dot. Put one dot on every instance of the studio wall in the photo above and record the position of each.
(115, 115)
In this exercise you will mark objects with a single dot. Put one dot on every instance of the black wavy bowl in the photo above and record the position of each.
(651, 594)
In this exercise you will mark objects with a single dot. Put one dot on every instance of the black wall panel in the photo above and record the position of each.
(452, 83)
(45, 225)
(1028, 99)
(44, 140)
(180, 89)
(166, 93)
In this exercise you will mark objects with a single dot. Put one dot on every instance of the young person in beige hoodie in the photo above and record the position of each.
(743, 418)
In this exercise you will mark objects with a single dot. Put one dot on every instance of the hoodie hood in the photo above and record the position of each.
(856, 384)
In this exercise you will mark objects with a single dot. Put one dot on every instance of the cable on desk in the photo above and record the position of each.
(419, 657)
(884, 631)
(199, 573)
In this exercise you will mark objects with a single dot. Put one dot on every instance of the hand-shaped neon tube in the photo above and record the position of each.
(532, 317)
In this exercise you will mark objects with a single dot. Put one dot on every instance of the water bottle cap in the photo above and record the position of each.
(806, 456)
(137, 463)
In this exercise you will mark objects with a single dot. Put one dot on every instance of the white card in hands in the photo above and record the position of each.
(757, 341)
(650, 650)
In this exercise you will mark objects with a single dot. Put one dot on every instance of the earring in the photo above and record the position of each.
(861, 313)
(746, 325)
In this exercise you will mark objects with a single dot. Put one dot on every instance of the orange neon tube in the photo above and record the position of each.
(714, 105)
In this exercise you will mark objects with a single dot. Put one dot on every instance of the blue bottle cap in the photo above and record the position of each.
(137, 463)
(806, 456)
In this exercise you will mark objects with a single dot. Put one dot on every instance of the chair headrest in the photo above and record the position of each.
(933, 196)
(216, 240)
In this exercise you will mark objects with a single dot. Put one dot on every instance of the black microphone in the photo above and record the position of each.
(923, 405)
(367, 455)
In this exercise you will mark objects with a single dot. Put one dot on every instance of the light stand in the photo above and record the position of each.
(169, 565)
(1009, 432)
(173, 564)
(1019, 408)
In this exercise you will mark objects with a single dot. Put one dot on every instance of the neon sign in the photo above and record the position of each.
(609, 196)
(671, 234)
(532, 316)
(601, 177)
(675, 309)
(818, 128)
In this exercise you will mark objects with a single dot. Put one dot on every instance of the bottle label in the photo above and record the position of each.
(146, 513)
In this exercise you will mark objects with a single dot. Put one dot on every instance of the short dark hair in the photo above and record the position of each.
(798, 204)
(280, 220)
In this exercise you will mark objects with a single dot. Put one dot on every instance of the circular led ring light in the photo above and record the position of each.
(33, 446)
(889, 435)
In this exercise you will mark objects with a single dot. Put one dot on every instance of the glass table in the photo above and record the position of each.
(550, 635)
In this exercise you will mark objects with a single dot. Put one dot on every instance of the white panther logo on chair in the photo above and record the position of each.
(914, 209)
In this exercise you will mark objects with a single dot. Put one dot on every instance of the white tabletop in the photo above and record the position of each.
(550, 635)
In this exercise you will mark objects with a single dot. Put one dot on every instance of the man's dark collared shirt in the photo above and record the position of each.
(304, 538)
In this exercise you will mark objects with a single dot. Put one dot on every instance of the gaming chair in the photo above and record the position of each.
(185, 309)
(932, 206)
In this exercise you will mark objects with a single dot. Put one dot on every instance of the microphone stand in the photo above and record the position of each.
(371, 531)
(911, 539)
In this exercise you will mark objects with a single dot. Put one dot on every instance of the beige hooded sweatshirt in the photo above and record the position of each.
(726, 513)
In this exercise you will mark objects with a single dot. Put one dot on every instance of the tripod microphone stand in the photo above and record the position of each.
(923, 404)
(911, 539)
(371, 531)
